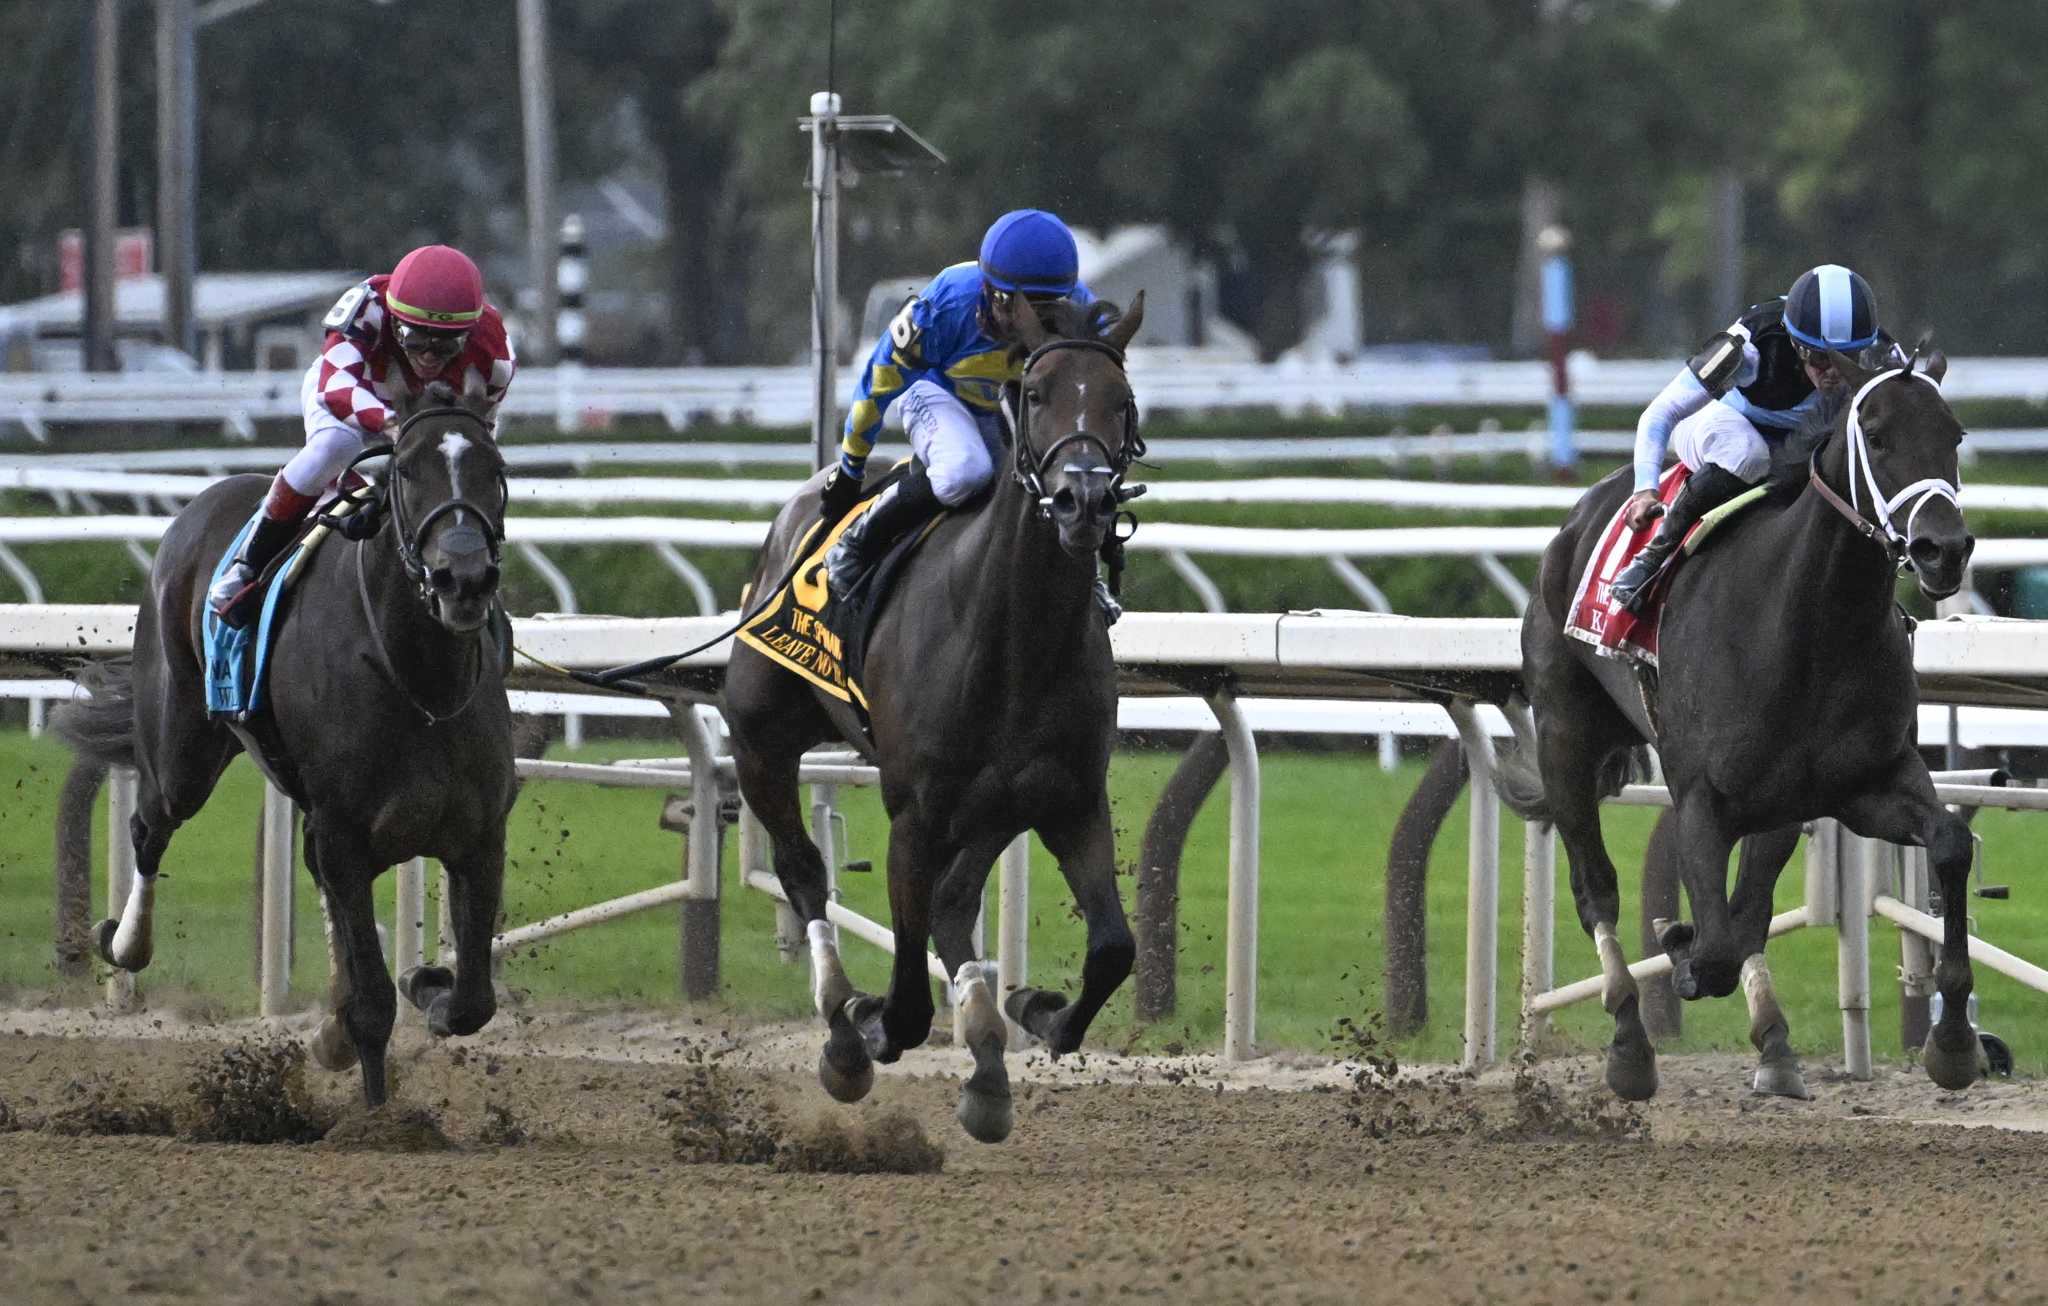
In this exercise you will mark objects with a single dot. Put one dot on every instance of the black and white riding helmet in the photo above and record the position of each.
(1830, 307)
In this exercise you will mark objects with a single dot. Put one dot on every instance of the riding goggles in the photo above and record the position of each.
(433, 344)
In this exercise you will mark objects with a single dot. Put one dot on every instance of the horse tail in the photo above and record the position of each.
(101, 727)
(1518, 775)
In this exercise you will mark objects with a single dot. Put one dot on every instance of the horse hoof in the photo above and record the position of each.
(421, 984)
(844, 1068)
(103, 944)
(985, 1111)
(331, 1047)
(1631, 1060)
(1953, 1068)
(1034, 1009)
(1780, 1079)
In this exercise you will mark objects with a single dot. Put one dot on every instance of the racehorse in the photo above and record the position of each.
(387, 723)
(1784, 692)
(992, 696)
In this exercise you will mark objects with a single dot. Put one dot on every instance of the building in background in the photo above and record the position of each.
(265, 321)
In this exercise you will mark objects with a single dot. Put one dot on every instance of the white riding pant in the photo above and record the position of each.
(948, 439)
(330, 443)
(1717, 435)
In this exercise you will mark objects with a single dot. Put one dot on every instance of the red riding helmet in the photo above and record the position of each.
(436, 287)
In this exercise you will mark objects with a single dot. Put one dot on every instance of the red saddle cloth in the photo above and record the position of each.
(1596, 618)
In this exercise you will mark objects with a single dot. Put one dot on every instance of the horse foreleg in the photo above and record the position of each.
(463, 1001)
(1763, 859)
(903, 1020)
(1908, 813)
(367, 1012)
(1086, 852)
(985, 1110)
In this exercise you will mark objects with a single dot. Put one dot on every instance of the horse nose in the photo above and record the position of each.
(1925, 552)
(1072, 505)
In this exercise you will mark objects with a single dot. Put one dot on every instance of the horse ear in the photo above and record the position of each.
(1933, 364)
(1126, 327)
(1020, 316)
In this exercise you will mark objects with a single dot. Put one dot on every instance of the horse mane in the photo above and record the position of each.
(1068, 320)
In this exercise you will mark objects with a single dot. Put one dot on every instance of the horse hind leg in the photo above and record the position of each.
(162, 804)
(1778, 1072)
(985, 1109)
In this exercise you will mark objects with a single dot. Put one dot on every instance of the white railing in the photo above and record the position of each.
(782, 395)
(1966, 660)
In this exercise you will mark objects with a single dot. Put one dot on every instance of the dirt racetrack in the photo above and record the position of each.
(1123, 1179)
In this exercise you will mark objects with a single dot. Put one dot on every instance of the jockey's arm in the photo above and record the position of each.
(890, 369)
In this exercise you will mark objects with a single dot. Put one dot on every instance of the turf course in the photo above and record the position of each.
(1326, 824)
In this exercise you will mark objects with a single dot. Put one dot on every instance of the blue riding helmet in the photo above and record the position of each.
(1831, 307)
(1032, 252)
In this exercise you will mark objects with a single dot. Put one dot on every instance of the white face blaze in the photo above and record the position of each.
(453, 446)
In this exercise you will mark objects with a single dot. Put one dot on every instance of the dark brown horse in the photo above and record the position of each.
(1785, 693)
(387, 723)
(993, 699)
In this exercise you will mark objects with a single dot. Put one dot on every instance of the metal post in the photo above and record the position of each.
(177, 168)
(1554, 244)
(409, 916)
(572, 273)
(444, 943)
(1916, 955)
(824, 182)
(700, 942)
(1013, 923)
(755, 860)
(121, 786)
(277, 900)
(103, 76)
(1482, 909)
(537, 115)
(1856, 859)
(1241, 942)
(1539, 921)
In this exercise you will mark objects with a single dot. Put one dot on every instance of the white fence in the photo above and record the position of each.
(782, 395)
(1355, 656)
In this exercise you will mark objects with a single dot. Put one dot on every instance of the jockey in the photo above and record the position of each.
(425, 332)
(1746, 389)
(947, 360)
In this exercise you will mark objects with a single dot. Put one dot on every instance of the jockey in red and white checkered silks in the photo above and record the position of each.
(423, 334)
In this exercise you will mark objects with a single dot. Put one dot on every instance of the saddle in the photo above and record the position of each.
(1613, 631)
(238, 658)
(822, 636)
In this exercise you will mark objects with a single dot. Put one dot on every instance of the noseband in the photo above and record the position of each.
(1029, 470)
(1920, 492)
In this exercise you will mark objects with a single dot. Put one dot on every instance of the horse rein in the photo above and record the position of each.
(1029, 470)
(1921, 491)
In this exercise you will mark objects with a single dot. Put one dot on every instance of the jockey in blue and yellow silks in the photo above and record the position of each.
(946, 361)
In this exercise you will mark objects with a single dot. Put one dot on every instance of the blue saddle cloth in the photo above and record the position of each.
(238, 658)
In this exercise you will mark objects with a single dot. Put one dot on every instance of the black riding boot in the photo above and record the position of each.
(231, 596)
(1705, 490)
(902, 507)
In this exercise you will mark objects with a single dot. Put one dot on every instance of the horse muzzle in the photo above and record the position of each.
(461, 587)
(1940, 565)
(1083, 509)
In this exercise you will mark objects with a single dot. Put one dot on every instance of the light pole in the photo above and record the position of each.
(843, 147)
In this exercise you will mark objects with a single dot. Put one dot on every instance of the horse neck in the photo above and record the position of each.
(434, 662)
(1848, 580)
(1031, 600)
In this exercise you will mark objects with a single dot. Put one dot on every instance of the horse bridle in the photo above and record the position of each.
(1028, 468)
(1927, 488)
(412, 541)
